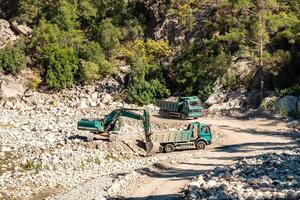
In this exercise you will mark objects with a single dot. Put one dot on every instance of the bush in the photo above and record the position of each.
(107, 35)
(13, 59)
(61, 66)
(146, 92)
(90, 72)
(34, 82)
(294, 91)
(91, 51)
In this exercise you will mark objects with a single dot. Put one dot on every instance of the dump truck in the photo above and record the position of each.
(183, 108)
(109, 125)
(197, 135)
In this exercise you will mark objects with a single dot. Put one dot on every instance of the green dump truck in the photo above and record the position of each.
(184, 108)
(196, 135)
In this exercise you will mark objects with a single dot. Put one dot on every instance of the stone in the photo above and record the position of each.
(6, 149)
(286, 104)
(82, 104)
(93, 104)
(215, 98)
(263, 184)
(21, 28)
(294, 124)
(94, 96)
(6, 34)
(224, 187)
(292, 195)
(236, 172)
(106, 98)
(11, 90)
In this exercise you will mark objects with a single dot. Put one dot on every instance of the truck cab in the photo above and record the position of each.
(189, 107)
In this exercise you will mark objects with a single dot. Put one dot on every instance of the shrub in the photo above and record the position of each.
(13, 59)
(294, 90)
(91, 51)
(90, 72)
(107, 35)
(146, 92)
(61, 66)
(34, 82)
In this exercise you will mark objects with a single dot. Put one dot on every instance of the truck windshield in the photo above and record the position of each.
(194, 103)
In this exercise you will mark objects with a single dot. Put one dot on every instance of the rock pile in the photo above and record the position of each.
(10, 32)
(42, 149)
(269, 176)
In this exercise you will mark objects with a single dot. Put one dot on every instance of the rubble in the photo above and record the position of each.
(268, 176)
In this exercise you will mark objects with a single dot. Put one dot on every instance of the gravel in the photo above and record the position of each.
(268, 176)
(41, 150)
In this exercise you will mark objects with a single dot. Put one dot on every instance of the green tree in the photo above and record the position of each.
(108, 35)
(61, 66)
(13, 59)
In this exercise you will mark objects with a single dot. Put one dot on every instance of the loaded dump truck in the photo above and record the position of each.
(197, 135)
(184, 108)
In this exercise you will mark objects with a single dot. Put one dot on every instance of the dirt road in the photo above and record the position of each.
(240, 139)
(233, 139)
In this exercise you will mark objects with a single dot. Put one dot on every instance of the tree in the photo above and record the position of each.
(61, 66)
(13, 59)
(108, 35)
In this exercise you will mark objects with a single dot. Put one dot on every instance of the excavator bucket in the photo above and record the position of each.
(152, 148)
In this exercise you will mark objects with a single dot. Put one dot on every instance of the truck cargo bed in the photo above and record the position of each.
(167, 105)
(167, 137)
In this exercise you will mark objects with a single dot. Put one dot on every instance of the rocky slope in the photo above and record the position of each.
(269, 176)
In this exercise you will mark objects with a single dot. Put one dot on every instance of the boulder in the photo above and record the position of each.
(294, 124)
(286, 104)
(82, 104)
(106, 98)
(21, 28)
(11, 90)
(215, 98)
(6, 34)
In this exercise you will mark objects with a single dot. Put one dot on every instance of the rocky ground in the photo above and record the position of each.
(268, 176)
(42, 152)
(43, 155)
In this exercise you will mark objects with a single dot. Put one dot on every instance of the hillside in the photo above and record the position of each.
(165, 47)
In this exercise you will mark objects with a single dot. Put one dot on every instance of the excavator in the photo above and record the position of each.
(109, 124)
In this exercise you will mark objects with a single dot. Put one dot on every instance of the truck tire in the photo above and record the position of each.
(200, 144)
(183, 116)
(162, 113)
(169, 148)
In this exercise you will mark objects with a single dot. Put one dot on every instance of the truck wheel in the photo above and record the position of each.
(169, 148)
(200, 145)
(162, 113)
(183, 116)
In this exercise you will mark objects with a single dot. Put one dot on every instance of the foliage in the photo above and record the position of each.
(34, 82)
(146, 92)
(13, 59)
(294, 91)
(61, 66)
(91, 51)
(196, 70)
(100, 34)
(89, 72)
(146, 71)
(108, 35)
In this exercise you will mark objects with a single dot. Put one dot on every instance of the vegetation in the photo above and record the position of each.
(13, 59)
(78, 42)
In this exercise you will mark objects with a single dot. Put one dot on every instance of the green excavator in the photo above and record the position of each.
(109, 124)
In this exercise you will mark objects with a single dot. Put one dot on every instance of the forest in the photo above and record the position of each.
(173, 47)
